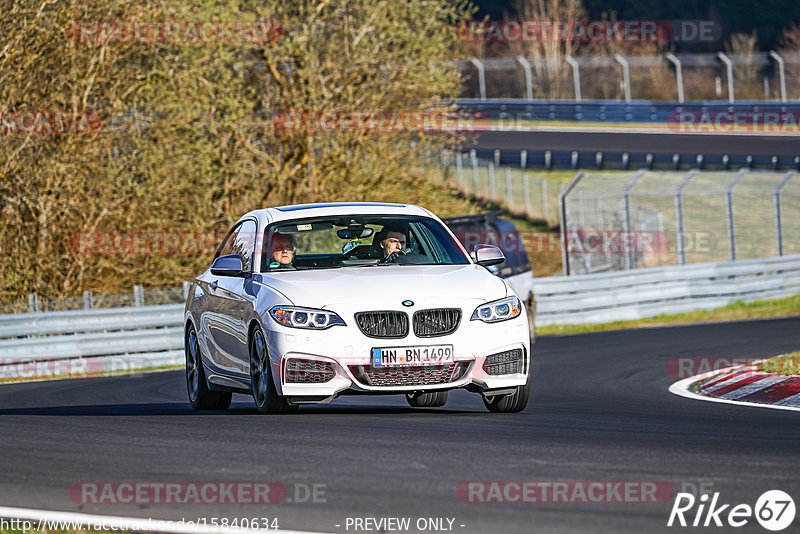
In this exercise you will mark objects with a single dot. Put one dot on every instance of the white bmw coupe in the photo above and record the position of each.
(308, 302)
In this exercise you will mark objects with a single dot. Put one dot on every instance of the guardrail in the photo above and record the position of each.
(42, 345)
(513, 112)
(641, 293)
(575, 160)
(89, 342)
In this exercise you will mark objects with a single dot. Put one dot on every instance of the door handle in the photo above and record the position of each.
(214, 285)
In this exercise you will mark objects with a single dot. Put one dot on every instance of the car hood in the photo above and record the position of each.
(387, 286)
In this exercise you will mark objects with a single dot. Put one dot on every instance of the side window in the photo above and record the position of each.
(241, 241)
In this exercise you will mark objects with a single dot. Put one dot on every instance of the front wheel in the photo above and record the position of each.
(531, 317)
(200, 396)
(263, 388)
(511, 402)
(427, 399)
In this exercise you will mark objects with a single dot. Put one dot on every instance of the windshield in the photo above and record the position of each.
(358, 241)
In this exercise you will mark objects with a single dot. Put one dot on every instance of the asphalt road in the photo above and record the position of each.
(657, 143)
(600, 411)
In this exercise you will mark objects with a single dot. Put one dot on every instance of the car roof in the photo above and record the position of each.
(323, 209)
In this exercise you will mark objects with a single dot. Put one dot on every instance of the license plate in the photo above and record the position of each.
(419, 355)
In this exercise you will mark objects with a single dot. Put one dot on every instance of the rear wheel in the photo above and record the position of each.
(200, 396)
(264, 392)
(511, 402)
(427, 399)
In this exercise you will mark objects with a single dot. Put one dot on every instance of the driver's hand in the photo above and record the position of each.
(396, 254)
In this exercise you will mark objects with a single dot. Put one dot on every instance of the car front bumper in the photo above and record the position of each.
(348, 353)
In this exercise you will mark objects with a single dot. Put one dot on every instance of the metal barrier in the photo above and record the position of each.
(153, 336)
(49, 323)
(627, 295)
(548, 159)
(89, 342)
(510, 112)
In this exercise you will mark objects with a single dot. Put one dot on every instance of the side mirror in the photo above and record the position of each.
(487, 255)
(230, 265)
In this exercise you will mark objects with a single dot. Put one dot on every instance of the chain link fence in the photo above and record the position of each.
(648, 218)
(519, 191)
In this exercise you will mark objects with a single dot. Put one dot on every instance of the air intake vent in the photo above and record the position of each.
(299, 371)
(438, 322)
(504, 363)
(383, 324)
(411, 375)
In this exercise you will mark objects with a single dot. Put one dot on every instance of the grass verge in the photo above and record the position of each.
(788, 364)
(786, 307)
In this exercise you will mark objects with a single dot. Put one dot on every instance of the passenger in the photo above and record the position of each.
(281, 251)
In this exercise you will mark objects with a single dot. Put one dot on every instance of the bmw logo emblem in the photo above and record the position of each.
(408, 303)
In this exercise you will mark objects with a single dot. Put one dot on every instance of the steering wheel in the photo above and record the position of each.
(392, 258)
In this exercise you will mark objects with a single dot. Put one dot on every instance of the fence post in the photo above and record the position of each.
(778, 221)
(481, 76)
(729, 210)
(679, 215)
(186, 286)
(526, 187)
(576, 76)
(33, 303)
(562, 203)
(781, 73)
(473, 156)
(544, 200)
(459, 169)
(729, 71)
(523, 159)
(491, 181)
(598, 208)
(88, 302)
(526, 66)
(138, 296)
(509, 195)
(496, 158)
(678, 74)
(626, 75)
(627, 197)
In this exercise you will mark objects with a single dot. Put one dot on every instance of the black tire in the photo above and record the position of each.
(427, 399)
(531, 317)
(262, 386)
(200, 396)
(512, 402)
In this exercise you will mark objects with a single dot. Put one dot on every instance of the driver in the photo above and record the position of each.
(393, 244)
(281, 251)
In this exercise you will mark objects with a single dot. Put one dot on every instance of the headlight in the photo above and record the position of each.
(499, 310)
(305, 317)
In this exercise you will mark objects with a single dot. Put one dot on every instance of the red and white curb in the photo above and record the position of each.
(743, 385)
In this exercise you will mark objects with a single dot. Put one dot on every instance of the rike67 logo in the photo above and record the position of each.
(774, 510)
